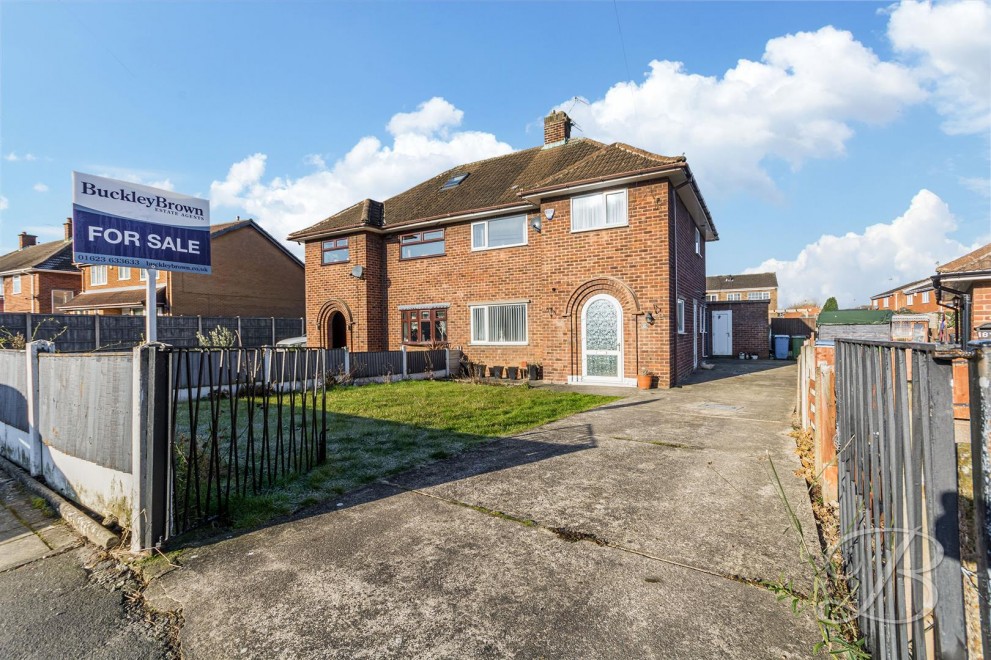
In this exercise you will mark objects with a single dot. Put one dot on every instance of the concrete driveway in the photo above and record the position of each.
(632, 530)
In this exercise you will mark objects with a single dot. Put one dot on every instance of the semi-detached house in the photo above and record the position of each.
(585, 257)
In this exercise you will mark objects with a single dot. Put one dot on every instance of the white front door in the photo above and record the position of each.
(602, 340)
(722, 333)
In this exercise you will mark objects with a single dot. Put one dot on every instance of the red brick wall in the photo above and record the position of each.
(981, 306)
(691, 288)
(36, 291)
(557, 272)
(750, 326)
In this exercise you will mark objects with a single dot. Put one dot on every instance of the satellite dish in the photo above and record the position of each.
(358, 271)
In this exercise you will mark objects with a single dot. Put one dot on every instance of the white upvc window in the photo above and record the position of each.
(97, 275)
(123, 272)
(758, 295)
(143, 275)
(681, 316)
(885, 302)
(909, 299)
(499, 233)
(504, 324)
(712, 297)
(925, 296)
(698, 242)
(732, 296)
(599, 211)
(15, 284)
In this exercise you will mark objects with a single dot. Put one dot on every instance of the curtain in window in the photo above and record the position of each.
(478, 324)
(506, 231)
(586, 212)
(616, 208)
(507, 323)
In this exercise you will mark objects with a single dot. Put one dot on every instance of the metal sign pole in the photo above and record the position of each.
(151, 307)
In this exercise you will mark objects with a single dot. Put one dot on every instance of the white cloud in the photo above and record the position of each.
(854, 266)
(4, 203)
(40, 187)
(143, 177)
(13, 157)
(424, 143)
(977, 185)
(952, 45)
(798, 102)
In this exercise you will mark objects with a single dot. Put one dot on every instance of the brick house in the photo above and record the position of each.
(253, 275)
(585, 257)
(970, 274)
(915, 297)
(753, 286)
(37, 277)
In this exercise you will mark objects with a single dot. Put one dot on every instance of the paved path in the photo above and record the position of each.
(50, 606)
(629, 531)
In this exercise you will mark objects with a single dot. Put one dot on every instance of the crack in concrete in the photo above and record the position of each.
(574, 536)
(47, 555)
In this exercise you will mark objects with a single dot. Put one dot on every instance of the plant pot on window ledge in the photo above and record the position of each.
(512, 372)
(645, 381)
(496, 371)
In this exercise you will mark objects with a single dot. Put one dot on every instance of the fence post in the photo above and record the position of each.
(240, 340)
(980, 448)
(347, 361)
(27, 326)
(273, 331)
(267, 364)
(447, 363)
(402, 349)
(199, 323)
(96, 332)
(149, 447)
(34, 395)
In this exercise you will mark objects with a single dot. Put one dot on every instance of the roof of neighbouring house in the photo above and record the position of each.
(500, 182)
(54, 255)
(734, 282)
(978, 260)
(130, 297)
(917, 285)
(216, 231)
(855, 317)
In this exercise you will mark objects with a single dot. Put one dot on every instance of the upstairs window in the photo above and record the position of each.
(925, 296)
(698, 242)
(498, 233)
(422, 244)
(143, 275)
(15, 284)
(759, 295)
(885, 302)
(499, 324)
(97, 275)
(424, 326)
(909, 299)
(712, 297)
(123, 273)
(681, 316)
(335, 251)
(732, 296)
(598, 211)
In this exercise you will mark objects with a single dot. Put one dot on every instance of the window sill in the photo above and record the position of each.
(426, 256)
(336, 263)
(498, 247)
(499, 343)
(602, 228)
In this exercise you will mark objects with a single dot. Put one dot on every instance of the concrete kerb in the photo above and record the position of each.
(96, 533)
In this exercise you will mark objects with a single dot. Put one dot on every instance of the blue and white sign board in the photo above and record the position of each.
(127, 224)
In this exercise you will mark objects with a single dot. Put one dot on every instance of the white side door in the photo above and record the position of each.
(722, 333)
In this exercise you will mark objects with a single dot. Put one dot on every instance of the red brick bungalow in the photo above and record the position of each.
(585, 257)
(38, 277)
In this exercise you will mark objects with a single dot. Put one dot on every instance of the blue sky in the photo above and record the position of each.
(844, 145)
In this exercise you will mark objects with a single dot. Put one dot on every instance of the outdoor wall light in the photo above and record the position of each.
(649, 318)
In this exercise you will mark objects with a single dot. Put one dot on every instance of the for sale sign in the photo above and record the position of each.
(127, 224)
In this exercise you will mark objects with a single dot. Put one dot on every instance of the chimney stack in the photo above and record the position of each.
(557, 128)
(68, 229)
(26, 240)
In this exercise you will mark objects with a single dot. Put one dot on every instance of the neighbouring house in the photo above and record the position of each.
(914, 298)
(970, 275)
(752, 286)
(253, 275)
(585, 257)
(38, 277)
(739, 326)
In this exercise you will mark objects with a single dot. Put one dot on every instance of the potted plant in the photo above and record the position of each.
(534, 371)
(495, 371)
(645, 380)
(512, 372)
(479, 370)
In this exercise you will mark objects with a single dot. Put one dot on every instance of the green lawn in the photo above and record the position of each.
(379, 430)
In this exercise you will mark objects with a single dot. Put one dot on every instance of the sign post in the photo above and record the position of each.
(116, 223)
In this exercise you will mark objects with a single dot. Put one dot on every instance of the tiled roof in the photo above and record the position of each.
(903, 287)
(495, 183)
(216, 231)
(749, 281)
(55, 255)
(979, 259)
(134, 297)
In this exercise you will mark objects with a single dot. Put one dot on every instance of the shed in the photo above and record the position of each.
(854, 324)
(738, 327)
